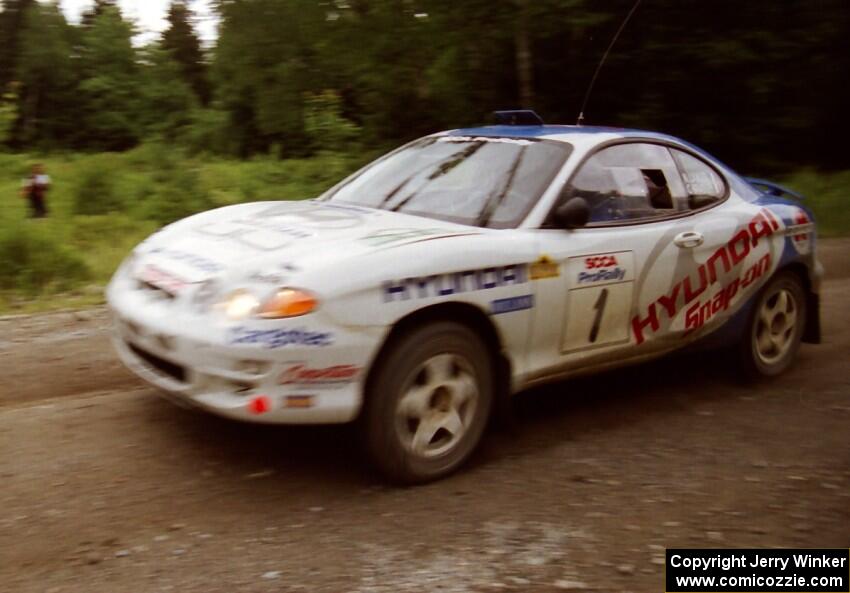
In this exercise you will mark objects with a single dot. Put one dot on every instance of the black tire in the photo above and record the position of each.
(405, 370)
(759, 361)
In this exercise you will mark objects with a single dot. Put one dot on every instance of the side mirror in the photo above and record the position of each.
(573, 214)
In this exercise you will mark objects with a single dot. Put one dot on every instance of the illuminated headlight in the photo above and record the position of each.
(285, 302)
(240, 304)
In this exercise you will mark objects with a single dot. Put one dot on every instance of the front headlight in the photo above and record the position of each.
(285, 302)
(240, 304)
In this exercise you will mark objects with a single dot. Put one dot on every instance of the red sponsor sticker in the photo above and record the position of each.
(162, 280)
(600, 261)
(302, 374)
(802, 241)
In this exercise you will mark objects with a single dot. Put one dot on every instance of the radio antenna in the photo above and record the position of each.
(602, 62)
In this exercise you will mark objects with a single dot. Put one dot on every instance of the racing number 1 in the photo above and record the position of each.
(597, 321)
(598, 301)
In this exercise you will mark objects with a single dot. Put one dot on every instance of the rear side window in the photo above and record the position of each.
(703, 184)
(630, 182)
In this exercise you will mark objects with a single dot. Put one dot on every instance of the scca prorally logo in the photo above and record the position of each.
(601, 268)
(301, 374)
(440, 285)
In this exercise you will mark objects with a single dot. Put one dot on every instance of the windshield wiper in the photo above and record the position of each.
(442, 169)
(491, 205)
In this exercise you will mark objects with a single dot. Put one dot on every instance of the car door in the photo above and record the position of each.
(595, 310)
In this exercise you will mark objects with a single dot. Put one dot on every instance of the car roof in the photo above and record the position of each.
(586, 137)
(560, 132)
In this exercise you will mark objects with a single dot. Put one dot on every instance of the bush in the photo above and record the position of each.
(326, 127)
(33, 261)
(96, 189)
(180, 195)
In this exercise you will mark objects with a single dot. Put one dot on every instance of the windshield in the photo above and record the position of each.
(487, 182)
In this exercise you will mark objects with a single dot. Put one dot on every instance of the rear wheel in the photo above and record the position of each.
(775, 327)
(428, 402)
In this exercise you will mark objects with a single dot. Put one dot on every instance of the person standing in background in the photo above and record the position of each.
(35, 188)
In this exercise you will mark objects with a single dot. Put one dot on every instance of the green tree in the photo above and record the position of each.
(47, 76)
(183, 43)
(266, 61)
(167, 102)
(110, 86)
(8, 113)
(98, 8)
(11, 24)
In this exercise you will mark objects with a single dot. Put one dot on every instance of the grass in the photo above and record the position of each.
(828, 195)
(101, 205)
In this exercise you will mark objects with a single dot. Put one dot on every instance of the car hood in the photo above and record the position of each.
(273, 238)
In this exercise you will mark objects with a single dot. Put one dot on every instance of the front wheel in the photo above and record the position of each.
(428, 402)
(775, 327)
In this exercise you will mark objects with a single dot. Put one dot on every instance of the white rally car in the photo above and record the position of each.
(460, 269)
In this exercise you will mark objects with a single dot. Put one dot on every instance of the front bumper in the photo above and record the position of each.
(296, 371)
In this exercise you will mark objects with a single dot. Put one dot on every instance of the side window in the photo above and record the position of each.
(702, 183)
(630, 182)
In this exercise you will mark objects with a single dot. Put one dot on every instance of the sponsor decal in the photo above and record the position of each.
(281, 229)
(509, 305)
(301, 374)
(601, 268)
(702, 312)
(544, 268)
(162, 280)
(440, 285)
(614, 275)
(317, 215)
(802, 241)
(267, 278)
(255, 232)
(279, 338)
(689, 289)
(600, 261)
(196, 261)
(299, 401)
(385, 237)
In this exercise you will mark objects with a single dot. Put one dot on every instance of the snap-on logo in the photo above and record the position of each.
(600, 261)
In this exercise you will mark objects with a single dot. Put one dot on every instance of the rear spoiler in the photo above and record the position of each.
(773, 189)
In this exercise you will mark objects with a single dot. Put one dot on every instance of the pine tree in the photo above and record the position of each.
(11, 25)
(181, 40)
(96, 10)
(109, 94)
(46, 75)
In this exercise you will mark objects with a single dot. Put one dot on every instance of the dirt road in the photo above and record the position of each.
(107, 488)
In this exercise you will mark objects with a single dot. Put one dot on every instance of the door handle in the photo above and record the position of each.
(689, 239)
